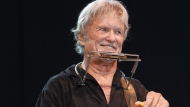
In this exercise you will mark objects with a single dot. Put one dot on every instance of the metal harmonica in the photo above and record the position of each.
(115, 56)
(112, 56)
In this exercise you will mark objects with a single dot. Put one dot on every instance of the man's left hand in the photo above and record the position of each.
(154, 99)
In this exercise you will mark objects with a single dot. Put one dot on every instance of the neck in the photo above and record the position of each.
(103, 71)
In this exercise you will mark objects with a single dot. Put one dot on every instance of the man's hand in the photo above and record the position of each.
(153, 99)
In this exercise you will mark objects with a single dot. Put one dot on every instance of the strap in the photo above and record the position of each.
(130, 94)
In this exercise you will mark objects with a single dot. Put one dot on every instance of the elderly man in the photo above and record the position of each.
(96, 82)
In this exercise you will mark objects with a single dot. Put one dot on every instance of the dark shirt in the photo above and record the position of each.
(62, 90)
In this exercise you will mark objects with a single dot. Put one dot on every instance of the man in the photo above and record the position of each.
(102, 27)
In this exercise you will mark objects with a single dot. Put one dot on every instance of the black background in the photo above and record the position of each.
(36, 43)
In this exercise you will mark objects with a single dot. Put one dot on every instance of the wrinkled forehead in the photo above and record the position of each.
(111, 14)
(107, 15)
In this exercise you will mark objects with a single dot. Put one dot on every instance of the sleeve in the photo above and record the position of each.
(47, 99)
(140, 90)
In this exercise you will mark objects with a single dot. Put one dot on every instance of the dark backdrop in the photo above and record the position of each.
(36, 43)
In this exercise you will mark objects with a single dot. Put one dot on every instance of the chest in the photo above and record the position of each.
(107, 92)
(96, 96)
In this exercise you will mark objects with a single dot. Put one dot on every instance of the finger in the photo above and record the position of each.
(163, 102)
(156, 100)
(149, 99)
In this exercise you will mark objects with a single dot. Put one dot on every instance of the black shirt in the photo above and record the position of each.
(62, 90)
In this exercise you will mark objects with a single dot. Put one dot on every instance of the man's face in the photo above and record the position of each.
(105, 33)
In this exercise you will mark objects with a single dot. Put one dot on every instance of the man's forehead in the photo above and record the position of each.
(108, 20)
(112, 14)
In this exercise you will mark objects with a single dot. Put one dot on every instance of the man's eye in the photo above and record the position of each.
(118, 32)
(103, 29)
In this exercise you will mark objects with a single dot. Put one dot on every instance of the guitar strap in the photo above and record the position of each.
(129, 93)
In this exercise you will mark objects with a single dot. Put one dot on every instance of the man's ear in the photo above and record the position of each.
(82, 39)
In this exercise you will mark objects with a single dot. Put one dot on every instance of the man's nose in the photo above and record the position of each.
(111, 36)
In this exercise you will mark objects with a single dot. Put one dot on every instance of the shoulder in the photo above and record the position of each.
(58, 89)
(56, 82)
(61, 81)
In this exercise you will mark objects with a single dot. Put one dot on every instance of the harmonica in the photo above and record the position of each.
(115, 56)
